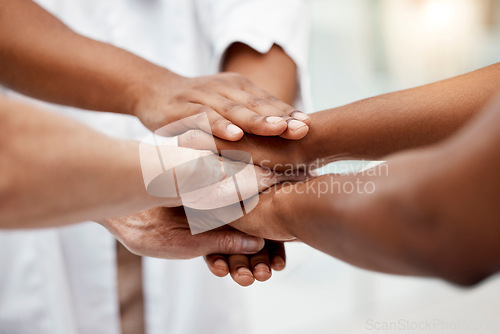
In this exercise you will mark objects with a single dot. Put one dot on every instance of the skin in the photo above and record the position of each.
(59, 68)
(276, 73)
(164, 233)
(51, 145)
(432, 200)
(73, 70)
(70, 158)
(369, 129)
(374, 127)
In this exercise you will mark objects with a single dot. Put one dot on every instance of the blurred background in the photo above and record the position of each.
(361, 48)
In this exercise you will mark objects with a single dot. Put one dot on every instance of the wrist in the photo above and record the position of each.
(323, 140)
(283, 212)
(130, 152)
(146, 89)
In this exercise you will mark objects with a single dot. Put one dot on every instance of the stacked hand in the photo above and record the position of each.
(233, 104)
(164, 232)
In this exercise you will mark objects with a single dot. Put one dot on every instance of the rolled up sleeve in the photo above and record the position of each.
(260, 24)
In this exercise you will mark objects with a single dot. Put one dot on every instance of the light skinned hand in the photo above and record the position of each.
(164, 233)
(200, 175)
(276, 153)
(234, 105)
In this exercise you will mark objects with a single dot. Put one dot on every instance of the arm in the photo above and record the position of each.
(379, 125)
(274, 72)
(434, 214)
(56, 171)
(48, 61)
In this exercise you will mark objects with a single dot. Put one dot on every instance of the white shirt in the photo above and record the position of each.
(63, 281)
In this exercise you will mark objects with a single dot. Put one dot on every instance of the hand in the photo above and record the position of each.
(245, 269)
(268, 219)
(164, 233)
(233, 105)
(202, 177)
(275, 153)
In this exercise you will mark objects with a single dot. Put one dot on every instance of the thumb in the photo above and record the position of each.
(230, 242)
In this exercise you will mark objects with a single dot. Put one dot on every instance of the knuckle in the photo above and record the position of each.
(180, 97)
(220, 123)
(227, 243)
(272, 99)
(204, 109)
(231, 107)
(254, 102)
(289, 110)
(254, 123)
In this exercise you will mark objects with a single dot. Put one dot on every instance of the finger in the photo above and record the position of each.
(285, 110)
(195, 121)
(227, 242)
(198, 140)
(276, 254)
(239, 267)
(218, 264)
(223, 128)
(261, 103)
(246, 119)
(266, 104)
(217, 125)
(296, 130)
(260, 264)
(297, 122)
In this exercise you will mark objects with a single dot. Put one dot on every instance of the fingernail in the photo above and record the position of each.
(300, 116)
(262, 267)
(244, 272)
(294, 125)
(279, 262)
(274, 119)
(233, 130)
(220, 264)
(252, 244)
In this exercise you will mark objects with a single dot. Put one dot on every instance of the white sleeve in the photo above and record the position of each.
(260, 24)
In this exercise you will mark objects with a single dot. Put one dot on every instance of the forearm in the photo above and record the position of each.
(274, 71)
(411, 118)
(349, 226)
(43, 58)
(56, 171)
(426, 216)
(375, 127)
